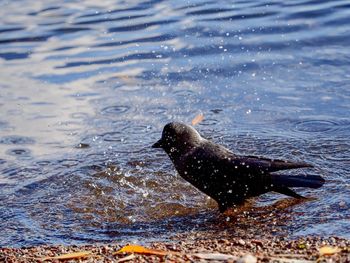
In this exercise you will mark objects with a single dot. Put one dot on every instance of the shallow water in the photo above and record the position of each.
(86, 87)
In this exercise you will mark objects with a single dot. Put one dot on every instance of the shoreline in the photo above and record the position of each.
(255, 235)
(196, 247)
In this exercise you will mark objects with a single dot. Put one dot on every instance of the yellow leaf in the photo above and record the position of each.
(141, 250)
(327, 250)
(197, 119)
(73, 255)
(301, 246)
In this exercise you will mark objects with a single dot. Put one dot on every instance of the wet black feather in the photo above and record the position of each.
(226, 177)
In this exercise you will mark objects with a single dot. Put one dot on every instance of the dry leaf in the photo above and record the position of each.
(141, 250)
(127, 79)
(73, 255)
(327, 250)
(197, 119)
(127, 258)
(301, 245)
(290, 260)
(214, 256)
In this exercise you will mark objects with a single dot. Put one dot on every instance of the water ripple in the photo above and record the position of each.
(109, 19)
(20, 153)
(316, 126)
(213, 10)
(13, 139)
(140, 26)
(242, 17)
(152, 39)
(138, 56)
(25, 39)
(11, 29)
(13, 55)
(86, 88)
(311, 13)
(115, 110)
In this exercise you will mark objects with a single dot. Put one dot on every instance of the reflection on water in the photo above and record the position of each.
(86, 87)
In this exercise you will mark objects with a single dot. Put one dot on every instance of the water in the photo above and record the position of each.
(86, 87)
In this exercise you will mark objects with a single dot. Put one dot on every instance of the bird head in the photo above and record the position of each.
(178, 138)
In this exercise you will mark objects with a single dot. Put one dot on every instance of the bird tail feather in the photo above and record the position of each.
(286, 191)
(282, 181)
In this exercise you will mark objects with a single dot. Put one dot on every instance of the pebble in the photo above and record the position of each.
(342, 204)
(247, 259)
(241, 242)
(258, 243)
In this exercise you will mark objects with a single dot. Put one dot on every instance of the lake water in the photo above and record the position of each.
(87, 86)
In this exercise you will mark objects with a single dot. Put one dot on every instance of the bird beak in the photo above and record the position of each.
(158, 144)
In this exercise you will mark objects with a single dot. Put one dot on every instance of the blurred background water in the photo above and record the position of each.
(87, 86)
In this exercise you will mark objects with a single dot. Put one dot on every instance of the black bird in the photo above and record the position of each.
(226, 177)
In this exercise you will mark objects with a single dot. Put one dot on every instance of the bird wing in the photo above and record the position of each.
(268, 165)
(248, 164)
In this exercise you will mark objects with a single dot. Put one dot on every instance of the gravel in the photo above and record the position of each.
(197, 247)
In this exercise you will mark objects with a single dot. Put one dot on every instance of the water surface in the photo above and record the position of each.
(86, 87)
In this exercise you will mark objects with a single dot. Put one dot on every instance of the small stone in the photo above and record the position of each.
(224, 241)
(241, 242)
(258, 243)
(342, 204)
(82, 145)
(247, 259)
